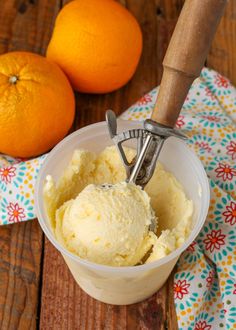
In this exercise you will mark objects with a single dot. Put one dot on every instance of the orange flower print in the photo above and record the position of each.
(214, 119)
(225, 172)
(180, 121)
(7, 173)
(144, 100)
(221, 81)
(209, 93)
(230, 214)
(214, 240)
(203, 145)
(15, 212)
(202, 325)
(231, 149)
(180, 289)
(210, 278)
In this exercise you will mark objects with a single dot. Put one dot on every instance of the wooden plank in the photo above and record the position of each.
(64, 305)
(25, 25)
(20, 255)
(222, 56)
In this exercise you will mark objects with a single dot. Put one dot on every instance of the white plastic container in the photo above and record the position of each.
(125, 285)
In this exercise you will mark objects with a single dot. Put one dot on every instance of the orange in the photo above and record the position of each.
(36, 104)
(97, 43)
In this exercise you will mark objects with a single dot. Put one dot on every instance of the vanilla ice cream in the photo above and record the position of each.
(107, 224)
(110, 224)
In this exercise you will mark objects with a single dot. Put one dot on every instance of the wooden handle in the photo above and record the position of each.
(186, 55)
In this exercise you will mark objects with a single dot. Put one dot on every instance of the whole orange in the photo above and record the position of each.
(36, 104)
(97, 43)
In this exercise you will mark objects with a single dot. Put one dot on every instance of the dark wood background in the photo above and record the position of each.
(36, 288)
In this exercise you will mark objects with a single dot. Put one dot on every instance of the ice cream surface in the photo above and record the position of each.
(109, 224)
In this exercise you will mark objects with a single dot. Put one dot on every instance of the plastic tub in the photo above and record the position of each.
(125, 285)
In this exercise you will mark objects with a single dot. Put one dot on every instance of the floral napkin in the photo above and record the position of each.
(205, 281)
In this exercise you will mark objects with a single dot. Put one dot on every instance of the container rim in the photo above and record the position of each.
(124, 269)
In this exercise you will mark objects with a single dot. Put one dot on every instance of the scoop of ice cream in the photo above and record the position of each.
(107, 224)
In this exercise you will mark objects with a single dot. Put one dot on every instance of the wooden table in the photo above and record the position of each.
(36, 287)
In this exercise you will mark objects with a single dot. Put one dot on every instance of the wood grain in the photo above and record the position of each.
(24, 25)
(65, 306)
(27, 25)
(222, 56)
(20, 256)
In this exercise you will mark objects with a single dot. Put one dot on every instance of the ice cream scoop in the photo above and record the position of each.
(183, 62)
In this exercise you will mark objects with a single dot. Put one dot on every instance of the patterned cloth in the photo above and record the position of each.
(205, 281)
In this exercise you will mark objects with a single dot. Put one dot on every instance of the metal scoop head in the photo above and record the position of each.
(150, 140)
